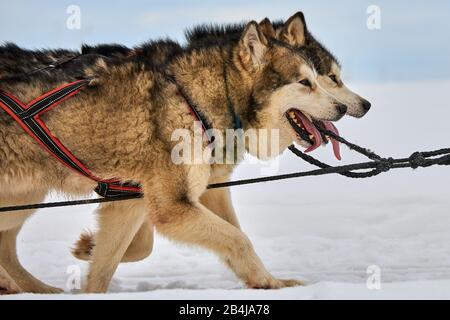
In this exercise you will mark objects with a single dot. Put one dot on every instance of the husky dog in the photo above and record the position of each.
(293, 32)
(267, 83)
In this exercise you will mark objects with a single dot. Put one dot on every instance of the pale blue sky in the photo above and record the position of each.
(413, 43)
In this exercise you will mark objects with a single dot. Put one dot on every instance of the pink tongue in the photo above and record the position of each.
(336, 147)
(312, 130)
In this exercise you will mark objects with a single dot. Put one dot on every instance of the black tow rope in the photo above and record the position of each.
(377, 165)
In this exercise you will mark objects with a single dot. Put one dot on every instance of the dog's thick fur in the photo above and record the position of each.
(293, 32)
(131, 100)
(16, 61)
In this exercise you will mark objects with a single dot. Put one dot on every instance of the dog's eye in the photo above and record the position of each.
(306, 83)
(333, 77)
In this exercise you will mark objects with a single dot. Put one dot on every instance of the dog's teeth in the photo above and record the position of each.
(293, 117)
(311, 136)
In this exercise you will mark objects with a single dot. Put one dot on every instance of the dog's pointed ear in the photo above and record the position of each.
(267, 28)
(252, 46)
(294, 30)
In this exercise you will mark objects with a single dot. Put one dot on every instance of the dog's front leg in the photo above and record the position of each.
(118, 224)
(219, 201)
(184, 219)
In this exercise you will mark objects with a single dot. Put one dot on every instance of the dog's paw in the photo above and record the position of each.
(52, 290)
(45, 289)
(33, 285)
(8, 286)
(272, 283)
(84, 246)
(287, 283)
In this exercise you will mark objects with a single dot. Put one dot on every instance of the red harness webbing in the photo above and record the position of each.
(27, 116)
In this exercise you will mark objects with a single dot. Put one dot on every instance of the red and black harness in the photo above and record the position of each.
(28, 117)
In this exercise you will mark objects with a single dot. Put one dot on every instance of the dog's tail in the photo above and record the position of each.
(84, 246)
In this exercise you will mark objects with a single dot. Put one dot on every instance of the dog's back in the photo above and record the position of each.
(15, 60)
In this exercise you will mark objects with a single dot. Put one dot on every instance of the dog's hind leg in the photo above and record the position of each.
(140, 247)
(142, 244)
(10, 225)
(118, 224)
(7, 284)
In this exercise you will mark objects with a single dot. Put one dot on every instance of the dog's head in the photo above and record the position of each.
(295, 32)
(285, 91)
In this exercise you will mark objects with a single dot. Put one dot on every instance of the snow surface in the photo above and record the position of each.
(325, 230)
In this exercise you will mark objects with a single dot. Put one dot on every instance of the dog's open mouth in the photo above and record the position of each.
(307, 130)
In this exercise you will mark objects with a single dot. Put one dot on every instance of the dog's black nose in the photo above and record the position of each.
(366, 105)
(342, 108)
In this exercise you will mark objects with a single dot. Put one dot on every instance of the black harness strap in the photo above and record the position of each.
(193, 108)
(27, 116)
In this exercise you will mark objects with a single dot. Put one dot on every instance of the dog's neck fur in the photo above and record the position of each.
(211, 79)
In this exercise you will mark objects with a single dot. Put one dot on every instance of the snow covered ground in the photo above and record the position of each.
(326, 230)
